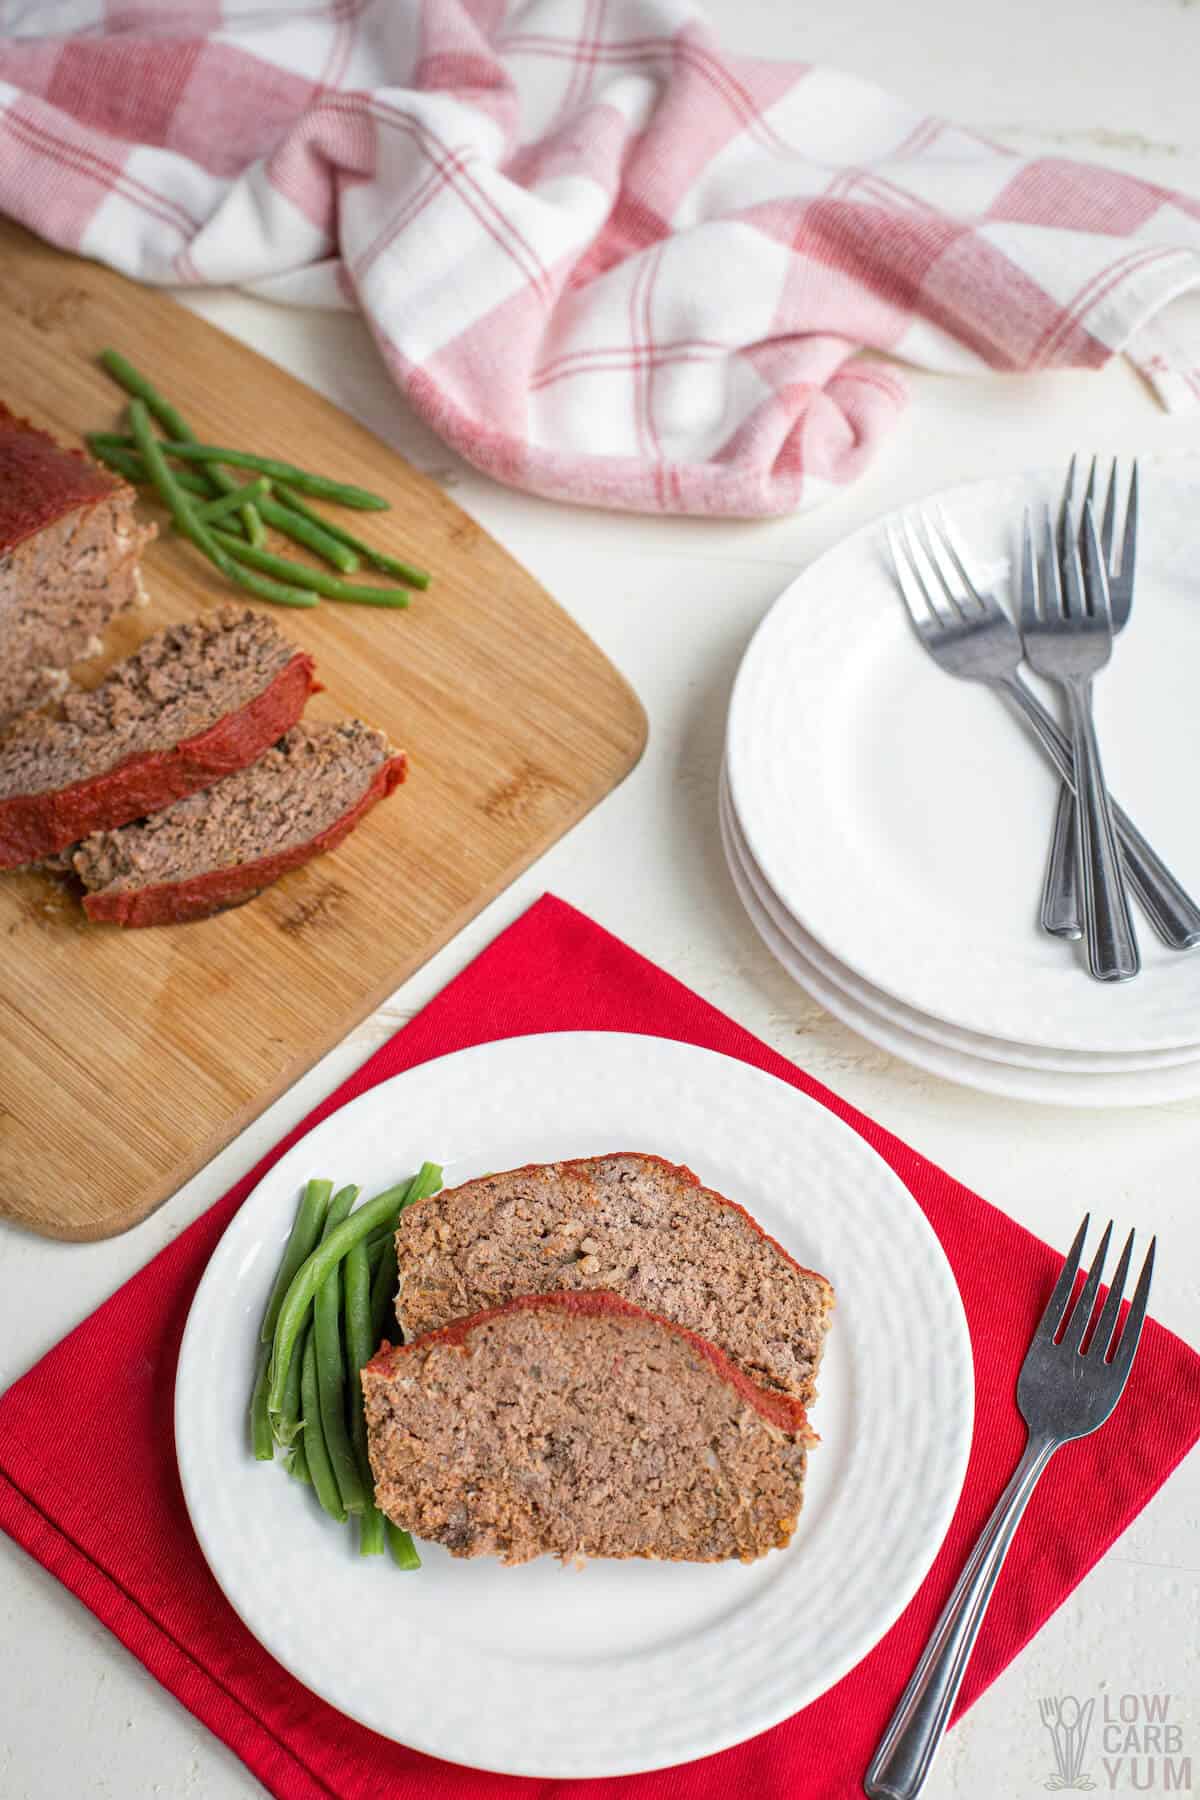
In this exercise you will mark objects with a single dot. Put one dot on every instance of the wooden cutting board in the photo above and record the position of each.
(128, 1058)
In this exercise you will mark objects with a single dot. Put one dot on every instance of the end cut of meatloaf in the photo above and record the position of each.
(577, 1425)
(635, 1224)
(194, 703)
(220, 847)
(69, 549)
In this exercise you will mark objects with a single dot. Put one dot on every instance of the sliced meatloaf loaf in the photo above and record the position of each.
(220, 847)
(644, 1228)
(193, 703)
(578, 1425)
(69, 550)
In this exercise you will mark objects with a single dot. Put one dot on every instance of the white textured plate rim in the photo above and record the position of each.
(788, 1124)
(1039, 1087)
(971, 1044)
(1050, 1004)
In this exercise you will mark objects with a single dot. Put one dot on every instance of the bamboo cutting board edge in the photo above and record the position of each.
(516, 722)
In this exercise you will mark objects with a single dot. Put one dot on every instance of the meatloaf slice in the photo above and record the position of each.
(222, 846)
(644, 1228)
(193, 703)
(578, 1425)
(69, 549)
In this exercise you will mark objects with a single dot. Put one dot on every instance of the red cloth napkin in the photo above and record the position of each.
(100, 1504)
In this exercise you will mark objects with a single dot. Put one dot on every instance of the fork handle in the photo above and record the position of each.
(1111, 944)
(1060, 891)
(1169, 907)
(908, 1746)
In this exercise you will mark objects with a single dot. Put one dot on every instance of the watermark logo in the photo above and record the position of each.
(1132, 1746)
(1069, 1725)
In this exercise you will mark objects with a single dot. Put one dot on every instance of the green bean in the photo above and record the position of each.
(309, 483)
(378, 559)
(316, 1455)
(383, 1290)
(383, 1283)
(404, 1551)
(305, 1236)
(288, 1425)
(360, 1346)
(135, 383)
(308, 1278)
(371, 1532)
(184, 515)
(297, 1462)
(304, 575)
(129, 464)
(359, 1349)
(306, 1230)
(331, 1368)
(262, 1438)
(375, 1252)
(232, 501)
(302, 530)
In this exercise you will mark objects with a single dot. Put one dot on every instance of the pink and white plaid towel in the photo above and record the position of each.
(604, 259)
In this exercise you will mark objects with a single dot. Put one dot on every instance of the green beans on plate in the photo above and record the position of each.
(331, 1369)
(321, 1320)
(305, 1233)
(360, 1347)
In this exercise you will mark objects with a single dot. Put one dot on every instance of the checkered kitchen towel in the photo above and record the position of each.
(603, 258)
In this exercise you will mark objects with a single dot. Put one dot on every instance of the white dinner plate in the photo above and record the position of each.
(951, 1037)
(620, 1666)
(823, 980)
(902, 817)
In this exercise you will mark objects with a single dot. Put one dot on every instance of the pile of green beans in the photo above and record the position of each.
(226, 520)
(323, 1321)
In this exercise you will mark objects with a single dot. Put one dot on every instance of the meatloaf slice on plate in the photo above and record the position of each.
(637, 1225)
(578, 1425)
(69, 549)
(220, 847)
(193, 703)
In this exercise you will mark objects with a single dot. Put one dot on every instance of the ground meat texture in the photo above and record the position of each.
(577, 1425)
(224, 845)
(69, 550)
(195, 702)
(634, 1224)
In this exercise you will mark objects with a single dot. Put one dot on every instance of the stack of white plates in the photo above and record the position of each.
(887, 825)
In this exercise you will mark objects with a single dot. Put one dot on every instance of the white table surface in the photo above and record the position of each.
(674, 602)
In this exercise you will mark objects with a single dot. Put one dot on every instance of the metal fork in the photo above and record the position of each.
(1066, 628)
(1060, 892)
(1065, 1390)
(968, 633)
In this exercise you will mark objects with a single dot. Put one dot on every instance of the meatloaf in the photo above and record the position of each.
(194, 702)
(225, 844)
(69, 549)
(578, 1425)
(640, 1226)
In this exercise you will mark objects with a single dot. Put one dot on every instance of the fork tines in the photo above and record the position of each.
(1120, 565)
(1071, 584)
(925, 563)
(1066, 1320)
